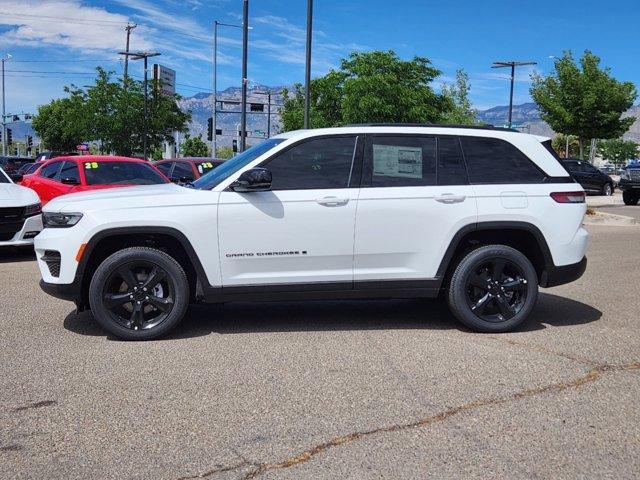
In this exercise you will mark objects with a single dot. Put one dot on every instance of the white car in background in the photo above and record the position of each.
(20, 213)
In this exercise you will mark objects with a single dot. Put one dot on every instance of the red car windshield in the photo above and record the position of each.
(121, 173)
(205, 167)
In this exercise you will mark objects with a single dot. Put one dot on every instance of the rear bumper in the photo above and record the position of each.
(554, 276)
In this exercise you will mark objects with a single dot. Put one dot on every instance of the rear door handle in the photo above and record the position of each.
(332, 201)
(450, 198)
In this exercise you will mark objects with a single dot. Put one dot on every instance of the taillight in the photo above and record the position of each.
(568, 197)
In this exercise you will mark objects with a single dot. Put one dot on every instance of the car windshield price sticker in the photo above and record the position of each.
(90, 165)
(397, 161)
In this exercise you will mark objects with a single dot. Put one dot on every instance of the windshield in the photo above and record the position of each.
(228, 168)
(121, 173)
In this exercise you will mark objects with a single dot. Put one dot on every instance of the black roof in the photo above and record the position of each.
(435, 125)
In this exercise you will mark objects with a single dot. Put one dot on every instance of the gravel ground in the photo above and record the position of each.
(350, 389)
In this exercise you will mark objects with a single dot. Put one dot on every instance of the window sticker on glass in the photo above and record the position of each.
(397, 161)
(90, 165)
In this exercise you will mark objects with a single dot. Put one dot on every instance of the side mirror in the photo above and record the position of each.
(16, 177)
(254, 180)
(69, 181)
(186, 180)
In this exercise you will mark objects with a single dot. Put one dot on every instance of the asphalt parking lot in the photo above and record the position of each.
(371, 389)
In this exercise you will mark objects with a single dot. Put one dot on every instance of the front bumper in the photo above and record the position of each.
(64, 291)
(554, 276)
(31, 227)
(625, 185)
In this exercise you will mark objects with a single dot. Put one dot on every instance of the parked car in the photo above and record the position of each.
(20, 219)
(188, 169)
(11, 165)
(483, 216)
(592, 180)
(630, 184)
(63, 175)
(48, 155)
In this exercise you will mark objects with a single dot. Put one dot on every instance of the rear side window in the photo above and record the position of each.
(70, 171)
(451, 168)
(321, 163)
(121, 173)
(51, 171)
(494, 161)
(401, 161)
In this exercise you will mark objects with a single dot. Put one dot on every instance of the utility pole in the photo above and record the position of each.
(4, 113)
(307, 77)
(512, 65)
(245, 42)
(143, 56)
(269, 114)
(128, 28)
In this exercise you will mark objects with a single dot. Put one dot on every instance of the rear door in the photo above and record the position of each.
(415, 196)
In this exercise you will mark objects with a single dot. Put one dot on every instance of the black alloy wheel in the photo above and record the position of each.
(139, 293)
(496, 290)
(607, 190)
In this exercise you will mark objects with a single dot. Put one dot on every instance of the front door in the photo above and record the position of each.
(301, 231)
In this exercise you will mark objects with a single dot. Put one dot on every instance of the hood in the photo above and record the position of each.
(129, 197)
(12, 195)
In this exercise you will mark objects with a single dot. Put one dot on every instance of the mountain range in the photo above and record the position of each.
(526, 117)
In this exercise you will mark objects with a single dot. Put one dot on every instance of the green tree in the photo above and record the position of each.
(618, 151)
(224, 152)
(194, 147)
(583, 100)
(369, 87)
(111, 114)
(462, 112)
(559, 143)
(61, 124)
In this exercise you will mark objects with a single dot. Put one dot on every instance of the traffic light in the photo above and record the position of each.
(210, 128)
(234, 145)
(9, 136)
(29, 143)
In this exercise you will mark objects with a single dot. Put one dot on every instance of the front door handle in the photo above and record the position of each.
(450, 198)
(332, 201)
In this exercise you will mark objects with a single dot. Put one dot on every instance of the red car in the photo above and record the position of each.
(187, 169)
(64, 175)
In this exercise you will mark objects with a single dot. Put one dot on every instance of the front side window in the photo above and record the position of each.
(69, 171)
(51, 171)
(401, 161)
(451, 168)
(494, 161)
(121, 173)
(182, 170)
(165, 167)
(320, 163)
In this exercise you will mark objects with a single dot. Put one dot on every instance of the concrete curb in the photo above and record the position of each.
(609, 219)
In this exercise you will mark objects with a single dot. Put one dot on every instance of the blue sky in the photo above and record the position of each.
(57, 42)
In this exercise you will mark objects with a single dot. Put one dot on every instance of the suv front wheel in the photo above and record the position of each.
(630, 198)
(493, 289)
(139, 293)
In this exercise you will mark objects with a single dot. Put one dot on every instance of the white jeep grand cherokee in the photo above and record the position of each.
(482, 215)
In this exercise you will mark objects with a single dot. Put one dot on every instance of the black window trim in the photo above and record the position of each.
(355, 172)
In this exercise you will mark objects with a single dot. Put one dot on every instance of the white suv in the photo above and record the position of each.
(482, 215)
(20, 219)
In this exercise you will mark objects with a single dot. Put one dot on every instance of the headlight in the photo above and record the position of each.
(60, 220)
(31, 210)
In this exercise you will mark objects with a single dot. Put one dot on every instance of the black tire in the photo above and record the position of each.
(483, 305)
(139, 293)
(630, 198)
(607, 189)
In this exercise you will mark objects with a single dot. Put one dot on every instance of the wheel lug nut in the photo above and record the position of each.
(130, 296)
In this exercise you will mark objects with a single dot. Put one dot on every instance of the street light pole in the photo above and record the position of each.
(143, 56)
(307, 77)
(512, 65)
(4, 113)
(245, 42)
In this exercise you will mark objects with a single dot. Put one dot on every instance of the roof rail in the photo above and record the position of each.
(434, 125)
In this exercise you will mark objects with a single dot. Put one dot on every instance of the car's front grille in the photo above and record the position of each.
(11, 222)
(634, 174)
(52, 259)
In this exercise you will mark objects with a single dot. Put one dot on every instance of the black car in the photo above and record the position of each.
(48, 155)
(11, 165)
(28, 168)
(630, 184)
(591, 179)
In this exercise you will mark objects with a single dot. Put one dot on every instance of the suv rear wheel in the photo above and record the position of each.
(630, 198)
(607, 190)
(139, 293)
(493, 289)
